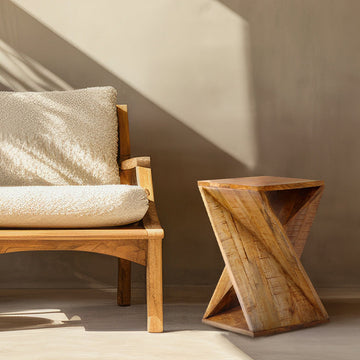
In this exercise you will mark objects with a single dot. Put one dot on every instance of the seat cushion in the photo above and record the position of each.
(71, 206)
(59, 137)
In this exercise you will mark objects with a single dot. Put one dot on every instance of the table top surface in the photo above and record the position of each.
(264, 183)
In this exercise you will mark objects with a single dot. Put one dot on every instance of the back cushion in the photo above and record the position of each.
(59, 137)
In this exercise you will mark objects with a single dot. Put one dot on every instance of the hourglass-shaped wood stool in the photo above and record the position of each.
(261, 225)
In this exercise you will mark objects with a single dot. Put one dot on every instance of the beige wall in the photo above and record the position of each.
(215, 89)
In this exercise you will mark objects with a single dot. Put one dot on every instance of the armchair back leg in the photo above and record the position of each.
(124, 282)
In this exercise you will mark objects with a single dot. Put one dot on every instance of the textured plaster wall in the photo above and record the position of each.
(215, 89)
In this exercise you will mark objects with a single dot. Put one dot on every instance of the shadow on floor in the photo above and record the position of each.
(94, 310)
(337, 339)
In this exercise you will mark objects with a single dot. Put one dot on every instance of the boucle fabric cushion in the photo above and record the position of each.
(71, 206)
(59, 137)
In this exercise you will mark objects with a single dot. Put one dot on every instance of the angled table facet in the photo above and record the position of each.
(261, 225)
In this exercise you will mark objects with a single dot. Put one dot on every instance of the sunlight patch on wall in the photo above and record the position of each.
(191, 58)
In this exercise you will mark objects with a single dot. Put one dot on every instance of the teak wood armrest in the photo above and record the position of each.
(137, 171)
(143, 161)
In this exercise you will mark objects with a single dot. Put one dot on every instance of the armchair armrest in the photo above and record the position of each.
(137, 171)
(143, 161)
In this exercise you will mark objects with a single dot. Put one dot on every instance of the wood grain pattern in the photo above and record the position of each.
(224, 296)
(143, 161)
(140, 242)
(141, 175)
(130, 249)
(296, 211)
(154, 290)
(271, 286)
(111, 233)
(138, 172)
(124, 282)
(265, 183)
(124, 134)
(232, 319)
(298, 227)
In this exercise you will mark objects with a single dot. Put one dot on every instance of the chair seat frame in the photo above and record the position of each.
(140, 243)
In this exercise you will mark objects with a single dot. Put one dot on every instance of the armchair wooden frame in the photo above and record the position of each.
(140, 243)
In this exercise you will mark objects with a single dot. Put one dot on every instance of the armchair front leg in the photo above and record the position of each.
(154, 290)
(137, 171)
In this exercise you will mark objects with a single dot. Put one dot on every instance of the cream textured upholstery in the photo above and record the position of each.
(59, 137)
(72, 206)
(58, 161)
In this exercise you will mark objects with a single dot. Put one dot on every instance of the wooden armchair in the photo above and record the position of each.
(140, 242)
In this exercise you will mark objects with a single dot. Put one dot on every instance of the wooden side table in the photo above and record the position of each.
(261, 225)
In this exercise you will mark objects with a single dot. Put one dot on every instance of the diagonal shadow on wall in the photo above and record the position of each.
(180, 157)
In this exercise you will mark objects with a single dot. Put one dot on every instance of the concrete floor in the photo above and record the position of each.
(86, 324)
